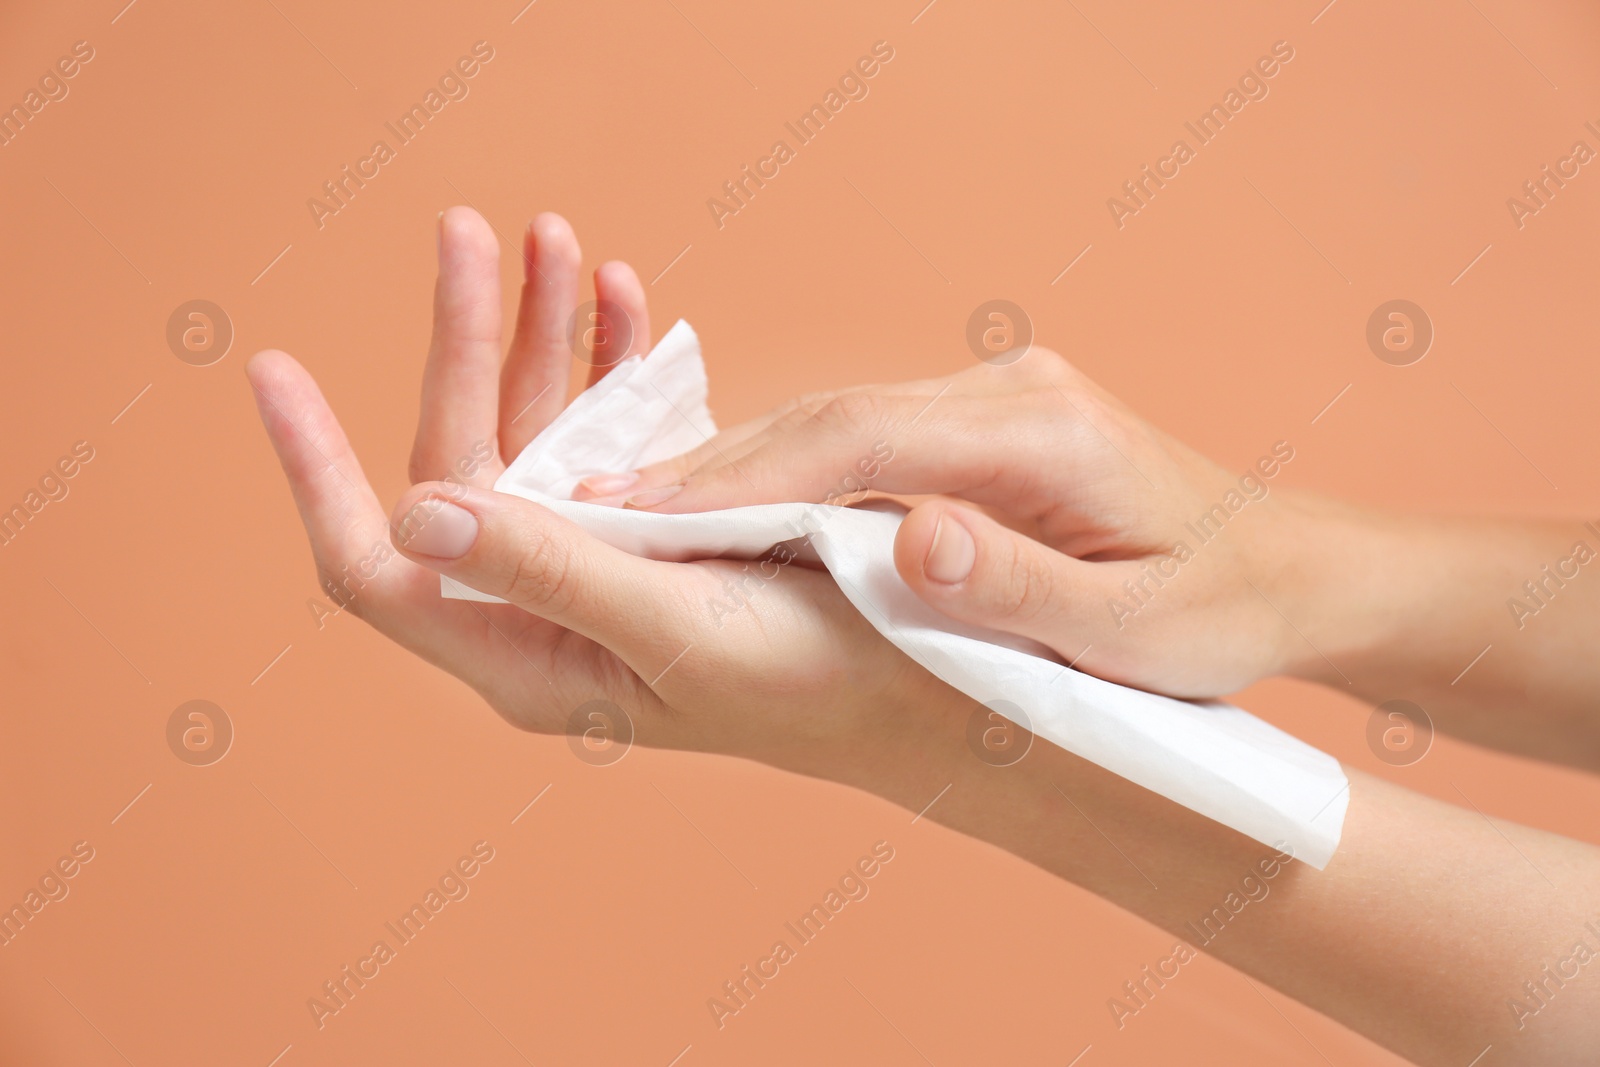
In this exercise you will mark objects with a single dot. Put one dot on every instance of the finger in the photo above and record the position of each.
(734, 443)
(528, 555)
(509, 656)
(533, 382)
(341, 514)
(623, 326)
(974, 569)
(870, 441)
(348, 530)
(726, 447)
(456, 428)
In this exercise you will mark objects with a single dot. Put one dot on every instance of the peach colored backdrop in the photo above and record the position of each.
(1231, 309)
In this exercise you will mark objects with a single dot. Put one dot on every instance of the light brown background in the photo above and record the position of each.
(179, 167)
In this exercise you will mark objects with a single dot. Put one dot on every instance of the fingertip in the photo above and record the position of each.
(462, 229)
(915, 539)
(553, 236)
(278, 382)
(617, 287)
(550, 223)
(598, 486)
(656, 499)
(616, 275)
(262, 367)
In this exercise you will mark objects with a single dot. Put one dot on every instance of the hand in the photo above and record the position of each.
(1088, 496)
(1132, 556)
(796, 677)
(1142, 562)
(799, 680)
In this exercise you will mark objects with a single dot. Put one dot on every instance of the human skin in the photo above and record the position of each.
(1083, 497)
(799, 680)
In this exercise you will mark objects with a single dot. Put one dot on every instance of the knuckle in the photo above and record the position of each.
(1082, 409)
(461, 318)
(810, 403)
(1049, 403)
(1048, 365)
(1049, 357)
(417, 468)
(705, 458)
(542, 576)
(667, 472)
(795, 414)
(853, 412)
(1027, 587)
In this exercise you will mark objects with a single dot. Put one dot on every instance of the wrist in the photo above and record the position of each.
(1376, 603)
(1321, 567)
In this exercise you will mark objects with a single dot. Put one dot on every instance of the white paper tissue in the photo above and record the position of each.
(1211, 757)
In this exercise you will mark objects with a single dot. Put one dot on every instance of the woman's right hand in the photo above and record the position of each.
(1134, 557)
(1142, 562)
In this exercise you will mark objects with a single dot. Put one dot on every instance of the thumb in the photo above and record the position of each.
(528, 555)
(978, 571)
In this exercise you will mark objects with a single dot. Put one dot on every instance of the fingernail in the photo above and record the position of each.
(651, 497)
(952, 554)
(440, 529)
(605, 484)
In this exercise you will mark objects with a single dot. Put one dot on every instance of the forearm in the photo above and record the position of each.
(1418, 934)
(1490, 626)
